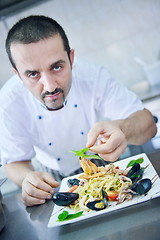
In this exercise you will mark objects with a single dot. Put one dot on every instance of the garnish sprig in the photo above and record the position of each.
(82, 154)
(132, 162)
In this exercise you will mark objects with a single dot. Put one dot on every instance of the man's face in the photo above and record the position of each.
(45, 69)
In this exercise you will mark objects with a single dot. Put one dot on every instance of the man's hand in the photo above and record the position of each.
(37, 187)
(111, 141)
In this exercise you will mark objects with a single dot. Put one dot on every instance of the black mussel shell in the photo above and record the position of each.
(96, 205)
(136, 167)
(142, 187)
(64, 198)
(73, 181)
(105, 197)
(137, 175)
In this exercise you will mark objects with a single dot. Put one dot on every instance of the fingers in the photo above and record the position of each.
(49, 180)
(114, 155)
(110, 144)
(94, 133)
(31, 199)
(37, 187)
(111, 141)
(43, 181)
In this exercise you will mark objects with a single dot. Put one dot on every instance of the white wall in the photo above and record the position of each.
(109, 32)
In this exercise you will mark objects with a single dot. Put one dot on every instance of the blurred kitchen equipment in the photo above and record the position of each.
(152, 71)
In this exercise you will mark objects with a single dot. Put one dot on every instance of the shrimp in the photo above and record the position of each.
(90, 169)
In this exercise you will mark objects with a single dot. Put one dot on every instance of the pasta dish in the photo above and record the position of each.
(100, 185)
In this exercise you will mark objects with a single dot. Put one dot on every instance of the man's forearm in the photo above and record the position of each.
(17, 171)
(139, 127)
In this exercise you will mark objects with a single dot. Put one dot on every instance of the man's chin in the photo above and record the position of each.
(55, 108)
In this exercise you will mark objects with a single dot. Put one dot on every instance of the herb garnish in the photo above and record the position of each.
(66, 216)
(82, 154)
(132, 162)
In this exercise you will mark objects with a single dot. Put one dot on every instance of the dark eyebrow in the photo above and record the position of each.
(59, 62)
(30, 71)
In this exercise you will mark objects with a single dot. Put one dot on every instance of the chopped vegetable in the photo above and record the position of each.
(66, 216)
(132, 162)
(82, 153)
(112, 195)
(74, 187)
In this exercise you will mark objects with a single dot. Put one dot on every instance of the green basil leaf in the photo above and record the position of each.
(94, 156)
(75, 215)
(66, 216)
(82, 153)
(84, 150)
(62, 216)
(132, 162)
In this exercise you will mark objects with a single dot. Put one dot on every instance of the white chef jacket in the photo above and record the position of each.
(27, 128)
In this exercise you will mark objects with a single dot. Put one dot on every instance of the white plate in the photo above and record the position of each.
(153, 193)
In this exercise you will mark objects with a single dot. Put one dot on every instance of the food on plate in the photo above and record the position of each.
(99, 187)
(66, 216)
(72, 182)
(90, 169)
(132, 162)
(64, 198)
(82, 153)
(143, 186)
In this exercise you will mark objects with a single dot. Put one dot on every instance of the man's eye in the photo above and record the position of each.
(33, 75)
(57, 68)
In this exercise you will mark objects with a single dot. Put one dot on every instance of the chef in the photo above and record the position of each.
(55, 103)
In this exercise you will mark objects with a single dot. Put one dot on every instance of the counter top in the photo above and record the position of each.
(140, 221)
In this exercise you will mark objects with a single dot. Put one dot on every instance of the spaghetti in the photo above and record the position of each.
(94, 179)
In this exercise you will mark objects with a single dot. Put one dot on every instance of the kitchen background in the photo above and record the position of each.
(123, 35)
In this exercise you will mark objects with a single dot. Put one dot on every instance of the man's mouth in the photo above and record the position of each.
(52, 95)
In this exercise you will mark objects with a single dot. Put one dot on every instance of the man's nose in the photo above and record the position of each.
(49, 83)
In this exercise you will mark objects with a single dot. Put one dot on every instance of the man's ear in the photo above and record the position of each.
(72, 56)
(15, 71)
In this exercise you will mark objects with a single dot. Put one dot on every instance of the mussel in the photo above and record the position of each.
(134, 169)
(73, 181)
(136, 172)
(64, 198)
(137, 175)
(105, 197)
(141, 187)
(99, 204)
(96, 205)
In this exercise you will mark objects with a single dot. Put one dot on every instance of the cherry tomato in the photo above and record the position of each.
(112, 195)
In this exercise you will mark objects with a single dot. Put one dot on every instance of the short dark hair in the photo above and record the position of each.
(33, 29)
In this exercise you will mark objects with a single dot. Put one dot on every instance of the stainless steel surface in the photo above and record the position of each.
(139, 222)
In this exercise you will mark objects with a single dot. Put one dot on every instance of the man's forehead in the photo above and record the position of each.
(55, 37)
(49, 50)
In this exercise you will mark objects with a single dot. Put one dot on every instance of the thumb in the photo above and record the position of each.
(93, 134)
